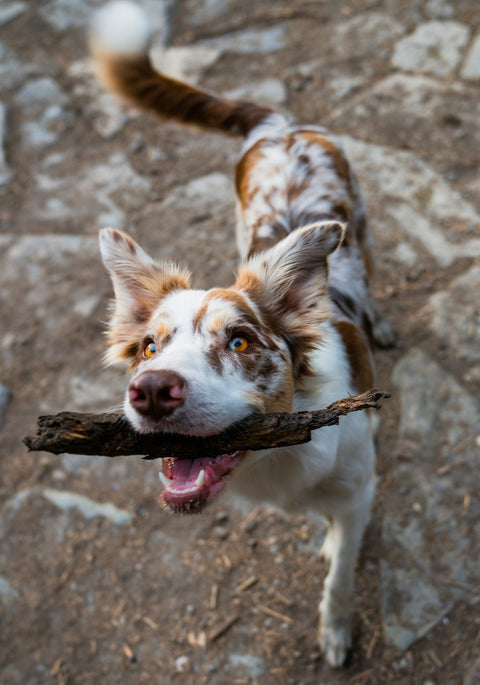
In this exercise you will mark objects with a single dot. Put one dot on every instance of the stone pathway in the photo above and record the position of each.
(401, 85)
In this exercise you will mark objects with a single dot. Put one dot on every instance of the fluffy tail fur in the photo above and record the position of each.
(120, 39)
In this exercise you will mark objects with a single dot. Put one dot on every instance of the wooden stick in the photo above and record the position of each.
(110, 435)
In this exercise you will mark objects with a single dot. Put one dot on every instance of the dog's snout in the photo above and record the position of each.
(157, 393)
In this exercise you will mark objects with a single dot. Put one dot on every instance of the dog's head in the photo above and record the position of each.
(203, 360)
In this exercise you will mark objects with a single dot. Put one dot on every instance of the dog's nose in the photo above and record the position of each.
(157, 393)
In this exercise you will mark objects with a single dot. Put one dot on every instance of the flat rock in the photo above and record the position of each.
(40, 91)
(198, 13)
(4, 399)
(435, 47)
(65, 500)
(203, 193)
(108, 113)
(7, 592)
(420, 581)
(270, 91)
(365, 33)
(455, 318)
(440, 9)
(184, 63)
(11, 10)
(43, 104)
(471, 66)
(5, 171)
(419, 200)
(103, 192)
(250, 41)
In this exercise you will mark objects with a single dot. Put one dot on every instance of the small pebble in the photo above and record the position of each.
(182, 664)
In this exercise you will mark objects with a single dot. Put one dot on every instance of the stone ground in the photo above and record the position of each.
(97, 583)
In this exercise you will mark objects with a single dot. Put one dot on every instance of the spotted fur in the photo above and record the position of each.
(294, 332)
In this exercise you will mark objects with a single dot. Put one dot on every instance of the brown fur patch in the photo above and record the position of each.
(337, 156)
(247, 163)
(135, 80)
(358, 353)
(233, 297)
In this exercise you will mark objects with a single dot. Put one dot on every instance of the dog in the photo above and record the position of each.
(295, 331)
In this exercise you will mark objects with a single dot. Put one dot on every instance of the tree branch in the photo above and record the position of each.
(110, 435)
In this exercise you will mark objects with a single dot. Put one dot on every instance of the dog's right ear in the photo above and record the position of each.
(139, 284)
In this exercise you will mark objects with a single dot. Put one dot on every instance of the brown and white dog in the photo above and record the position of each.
(294, 332)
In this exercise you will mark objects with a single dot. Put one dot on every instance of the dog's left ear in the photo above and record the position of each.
(293, 273)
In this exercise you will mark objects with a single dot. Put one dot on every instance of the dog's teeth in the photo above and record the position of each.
(166, 481)
(200, 479)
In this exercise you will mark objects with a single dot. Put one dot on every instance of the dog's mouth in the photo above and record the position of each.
(191, 483)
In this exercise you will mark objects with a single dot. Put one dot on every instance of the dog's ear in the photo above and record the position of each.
(289, 282)
(139, 284)
(293, 273)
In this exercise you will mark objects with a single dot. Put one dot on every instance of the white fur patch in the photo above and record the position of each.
(213, 401)
(120, 28)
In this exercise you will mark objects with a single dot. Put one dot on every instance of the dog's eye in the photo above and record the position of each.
(150, 350)
(238, 344)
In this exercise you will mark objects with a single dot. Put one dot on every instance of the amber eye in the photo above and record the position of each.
(150, 350)
(238, 344)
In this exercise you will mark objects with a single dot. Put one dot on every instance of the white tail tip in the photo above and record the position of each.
(120, 28)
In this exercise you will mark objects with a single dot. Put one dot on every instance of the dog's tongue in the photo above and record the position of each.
(191, 483)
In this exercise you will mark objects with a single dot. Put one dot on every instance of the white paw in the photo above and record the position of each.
(326, 548)
(335, 641)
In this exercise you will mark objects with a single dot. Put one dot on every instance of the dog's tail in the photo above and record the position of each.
(120, 39)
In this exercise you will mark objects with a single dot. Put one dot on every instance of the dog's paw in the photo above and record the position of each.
(335, 641)
(326, 548)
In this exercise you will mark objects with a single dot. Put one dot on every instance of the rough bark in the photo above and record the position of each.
(110, 435)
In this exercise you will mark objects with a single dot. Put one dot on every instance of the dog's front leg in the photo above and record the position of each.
(341, 548)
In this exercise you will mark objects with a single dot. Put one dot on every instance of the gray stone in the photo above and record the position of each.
(472, 677)
(471, 66)
(440, 9)
(430, 551)
(250, 41)
(252, 666)
(104, 189)
(203, 193)
(13, 71)
(455, 317)
(108, 113)
(207, 11)
(43, 103)
(66, 500)
(270, 91)
(407, 587)
(43, 91)
(10, 11)
(365, 33)
(184, 63)
(5, 171)
(434, 47)
(90, 393)
(7, 592)
(419, 199)
(4, 400)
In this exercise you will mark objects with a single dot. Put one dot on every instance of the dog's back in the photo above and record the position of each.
(288, 175)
